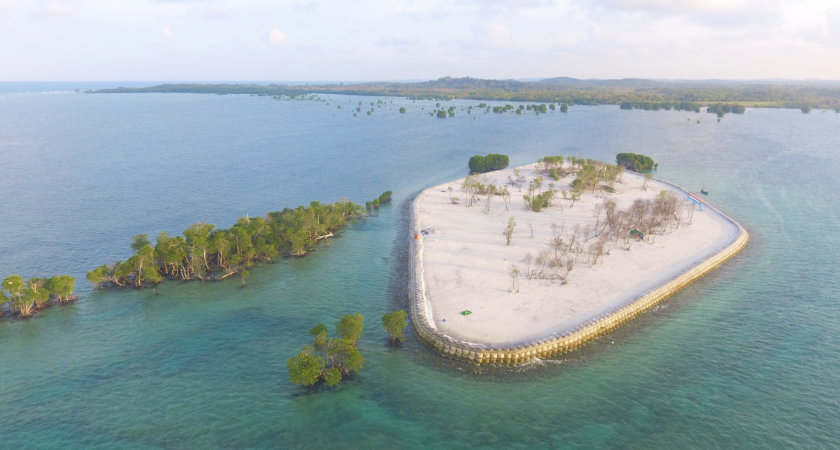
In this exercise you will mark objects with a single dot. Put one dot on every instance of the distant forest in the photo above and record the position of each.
(557, 90)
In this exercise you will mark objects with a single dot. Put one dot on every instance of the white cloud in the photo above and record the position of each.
(212, 11)
(6, 5)
(509, 3)
(307, 7)
(827, 33)
(276, 37)
(59, 9)
(399, 42)
(168, 42)
(498, 33)
(710, 12)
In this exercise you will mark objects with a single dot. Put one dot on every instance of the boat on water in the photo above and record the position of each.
(703, 191)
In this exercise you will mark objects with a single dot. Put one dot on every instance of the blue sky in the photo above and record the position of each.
(412, 39)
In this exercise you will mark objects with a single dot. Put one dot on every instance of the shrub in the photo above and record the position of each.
(491, 162)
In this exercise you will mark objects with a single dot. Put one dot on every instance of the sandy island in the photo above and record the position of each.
(466, 262)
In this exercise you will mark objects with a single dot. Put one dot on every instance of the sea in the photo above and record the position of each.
(746, 358)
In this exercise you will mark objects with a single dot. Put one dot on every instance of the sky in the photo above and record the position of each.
(368, 40)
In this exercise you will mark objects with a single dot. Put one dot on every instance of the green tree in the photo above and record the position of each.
(564, 108)
(806, 109)
(14, 285)
(491, 162)
(332, 376)
(476, 164)
(62, 287)
(634, 161)
(341, 355)
(351, 327)
(394, 324)
(36, 290)
(385, 197)
(402, 110)
(22, 298)
(344, 355)
(305, 368)
(138, 241)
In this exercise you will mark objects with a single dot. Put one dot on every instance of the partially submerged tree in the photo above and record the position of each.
(206, 253)
(395, 324)
(351, 327)
(306, 368)
(14, 285)
(340, 357)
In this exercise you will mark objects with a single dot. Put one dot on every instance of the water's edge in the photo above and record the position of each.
(576, 333)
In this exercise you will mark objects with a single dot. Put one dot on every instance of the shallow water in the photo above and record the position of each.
(745, 358)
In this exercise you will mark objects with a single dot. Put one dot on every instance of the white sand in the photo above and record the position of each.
(466, 263)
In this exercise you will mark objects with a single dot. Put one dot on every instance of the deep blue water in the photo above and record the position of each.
(745, 358)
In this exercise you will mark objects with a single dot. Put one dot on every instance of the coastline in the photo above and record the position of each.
(573, 333)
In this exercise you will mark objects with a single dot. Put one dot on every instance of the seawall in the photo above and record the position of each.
(554, 344)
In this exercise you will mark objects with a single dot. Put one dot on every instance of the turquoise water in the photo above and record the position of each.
(745, 358)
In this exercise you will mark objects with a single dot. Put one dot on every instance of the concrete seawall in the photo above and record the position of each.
(555, 344)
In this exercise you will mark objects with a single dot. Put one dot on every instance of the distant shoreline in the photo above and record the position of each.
(555, 90)
(557, 338)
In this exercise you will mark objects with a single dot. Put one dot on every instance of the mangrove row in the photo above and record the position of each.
(24, 297)
(207, 253)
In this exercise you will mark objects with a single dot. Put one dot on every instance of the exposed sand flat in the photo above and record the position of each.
(466, 262)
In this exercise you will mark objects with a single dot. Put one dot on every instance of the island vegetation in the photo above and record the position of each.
(329, 359)
(379, 201)
(394, 324)
(635, 162)
(589, 242)
(631, 93)
(489, 163)
(25, 297)
(207, 253)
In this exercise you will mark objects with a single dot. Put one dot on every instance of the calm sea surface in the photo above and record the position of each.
(747, 358)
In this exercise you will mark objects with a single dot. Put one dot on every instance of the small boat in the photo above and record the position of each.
(704, 192)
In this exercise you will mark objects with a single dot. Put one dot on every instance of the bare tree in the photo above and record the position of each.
(573, 197)
(597, 250)
(514, 276)
(529, 258)
(598, 212)
(542, 259)
(509, 230)
(648, 177)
